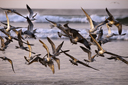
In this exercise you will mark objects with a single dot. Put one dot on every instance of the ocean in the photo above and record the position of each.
(75, 17)
(110, 72)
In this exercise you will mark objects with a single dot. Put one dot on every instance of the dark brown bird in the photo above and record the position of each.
(112, 21)
(75, 61)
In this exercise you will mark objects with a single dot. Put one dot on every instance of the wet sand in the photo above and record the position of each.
(111, 72)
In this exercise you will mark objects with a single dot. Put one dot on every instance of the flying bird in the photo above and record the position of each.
(10, 61)
(75, 61)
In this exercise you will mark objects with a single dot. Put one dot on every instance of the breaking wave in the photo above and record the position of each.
(41, 18)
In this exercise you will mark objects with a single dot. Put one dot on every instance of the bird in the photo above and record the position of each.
(73, 36)
(116, 57)
(90, 58)
(31, 14)
(20, 40)
(56, 51)
(54, 24)
(7, 30)
(10, 61)
(101, 51)
(35, 58)
(48, 60)
(101, 40)
(11, 27)
(76, 36)
(112, 21)
(29, 32)
(93, 25)
(75, 61)
(21, 46)
(110, 34)
(30, 50)
(5, 44)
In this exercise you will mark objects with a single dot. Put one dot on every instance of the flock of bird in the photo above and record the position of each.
(95, 33)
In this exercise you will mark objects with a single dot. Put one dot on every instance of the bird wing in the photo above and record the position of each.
(26, 58)
(52, 45)
(86, 65)
(2, 42)
(58, 62)
(58, 26)
(89, 19)
(119, 26)
(19, 38)
(59, 47)
(19, 14)
(30, 49)
(8, 26)
(12, 10)
(110, 15)
(99, 47)
(51, 65)
(92, 58)
(6, 33)
(9, 60)
(30, 25)
(34, 15)
(118, 56)
(87, 51)
(30, 11)
(34, 59)
(45, 46)
(70, 56)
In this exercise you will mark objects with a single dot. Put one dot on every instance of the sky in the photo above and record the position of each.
(65, 4)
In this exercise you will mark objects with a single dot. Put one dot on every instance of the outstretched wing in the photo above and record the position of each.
(87, 65)
(70, 56)
(52, 45)
(30, 49)
(98, 45)
(30, 11)
(59, 47)
(118, 57)
(11, 64)
(30, 25)
(51, 65)
(110, 15)
(2, 42)
(8, 26)
(89, 19)
(45, 46)
(87, 51)
(58, 62)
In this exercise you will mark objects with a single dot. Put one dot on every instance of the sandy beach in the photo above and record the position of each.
(111, 72)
